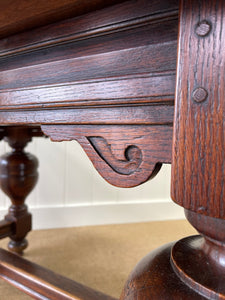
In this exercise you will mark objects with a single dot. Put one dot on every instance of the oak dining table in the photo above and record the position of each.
(138, 83)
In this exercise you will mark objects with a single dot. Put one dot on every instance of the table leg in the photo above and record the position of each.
(192, 268)
(18, 176)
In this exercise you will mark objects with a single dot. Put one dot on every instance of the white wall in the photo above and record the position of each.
(70, 192)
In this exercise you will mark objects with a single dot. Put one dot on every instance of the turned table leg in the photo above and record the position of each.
(194, 267)
(190, 269)
(18, 176)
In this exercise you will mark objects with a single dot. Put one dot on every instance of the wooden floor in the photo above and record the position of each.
(98, 256)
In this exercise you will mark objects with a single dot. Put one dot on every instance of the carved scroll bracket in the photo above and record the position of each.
(128, 165)
(125, 156)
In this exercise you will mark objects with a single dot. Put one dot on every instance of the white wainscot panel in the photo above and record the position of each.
(78, 176)
(51, 185)
(70, 192)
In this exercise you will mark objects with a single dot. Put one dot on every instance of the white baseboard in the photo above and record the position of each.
(100, 214)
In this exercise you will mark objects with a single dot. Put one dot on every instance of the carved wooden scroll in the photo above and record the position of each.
(125, 155)
(128, 165)
(199, 136)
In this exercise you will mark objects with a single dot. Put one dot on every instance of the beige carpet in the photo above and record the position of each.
(98, 256)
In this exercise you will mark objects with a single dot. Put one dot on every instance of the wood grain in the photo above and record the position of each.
(130, 14)
(105, 79)
(143, 114)
(20, 15)
(154, 278)
(41, 283)
(199, 260)
(18, 177)
(194, 265)
(122, 57)
(125, 156)
(199, 140)
(114, 91)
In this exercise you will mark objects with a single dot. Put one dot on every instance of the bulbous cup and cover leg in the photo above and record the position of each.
(194, 267)
(18, 177)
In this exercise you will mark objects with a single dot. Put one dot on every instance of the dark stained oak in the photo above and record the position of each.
(198, 146)
(18, 176)
(199, 261)
(41, 283)
(113, 91)
(6, 228)
(193, 268)
(105, 78)
(154, 279)
(115, 19)
(146, 115)
(106, 73)
(125, 156)
(114, 65)
(199, 132)
(20, 15)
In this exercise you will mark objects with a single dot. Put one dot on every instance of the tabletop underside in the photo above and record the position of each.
(121, 57)
(21, 15)
(100, 74)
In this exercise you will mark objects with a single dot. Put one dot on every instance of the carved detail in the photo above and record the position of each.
(133, 156)
(125, 156)
(18, 176)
